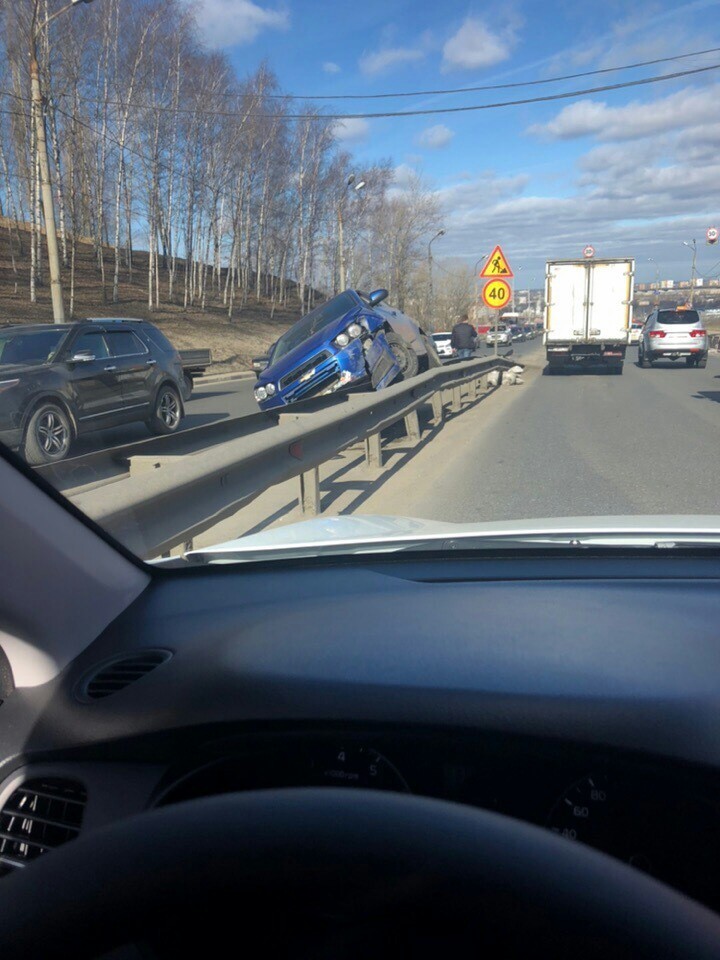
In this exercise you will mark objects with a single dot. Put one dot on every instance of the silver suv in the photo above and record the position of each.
(672, 335)
(503, 334)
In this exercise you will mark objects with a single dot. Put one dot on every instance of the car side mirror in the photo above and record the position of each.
(259, 364)
(377, 296)
(82, 356)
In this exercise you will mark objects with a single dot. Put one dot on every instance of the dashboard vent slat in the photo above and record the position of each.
(38, 816)
(114, 675)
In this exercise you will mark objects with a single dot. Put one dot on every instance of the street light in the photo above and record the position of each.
(483, 256)
(693, 274)
(657, 278)
(357, 187)
(43, 159)
(440, 233)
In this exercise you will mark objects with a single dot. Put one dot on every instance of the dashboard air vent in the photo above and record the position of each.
(115, 675)
(39, 815)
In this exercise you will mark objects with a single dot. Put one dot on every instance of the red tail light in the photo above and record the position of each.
(657, 333)
(698, 333)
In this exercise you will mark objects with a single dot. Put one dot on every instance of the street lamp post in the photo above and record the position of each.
(693, 272)
(480, 259)
(440, 233)
(341, 244)
(657, 278)
(44, 162)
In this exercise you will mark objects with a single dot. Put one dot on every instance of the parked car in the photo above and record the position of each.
(58, 382)
(351, 339)
(635, 332)
(504, 335)
(673, 335)
(443, 344)
(529, 331)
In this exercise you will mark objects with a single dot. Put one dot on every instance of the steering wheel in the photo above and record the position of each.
(340, 872)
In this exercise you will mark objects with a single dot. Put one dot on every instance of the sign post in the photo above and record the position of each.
(496, 295)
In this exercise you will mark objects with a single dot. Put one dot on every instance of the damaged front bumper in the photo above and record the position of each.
(367, 358)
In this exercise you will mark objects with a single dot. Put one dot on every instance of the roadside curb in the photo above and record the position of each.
(222, 377)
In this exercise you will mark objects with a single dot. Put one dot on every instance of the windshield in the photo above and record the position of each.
(529, 193)
(29, 347)
(320, 317)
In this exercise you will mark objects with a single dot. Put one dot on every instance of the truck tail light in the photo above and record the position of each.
(657, 333)
(698, 333)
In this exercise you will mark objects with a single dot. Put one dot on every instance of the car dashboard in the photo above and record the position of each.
(556, 692)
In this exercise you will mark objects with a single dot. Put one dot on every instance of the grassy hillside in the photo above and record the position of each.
(233, 343)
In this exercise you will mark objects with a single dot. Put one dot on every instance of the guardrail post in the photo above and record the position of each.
(373, 451)
(472, 390)
(412, 425)
(310, 492)
(457, 399)
(437, 405)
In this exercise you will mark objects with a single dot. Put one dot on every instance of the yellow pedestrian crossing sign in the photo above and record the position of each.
(496, 265)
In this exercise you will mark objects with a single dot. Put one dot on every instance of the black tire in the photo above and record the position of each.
(407, 359)
(48, 435)
(167, 411)
(643, 360)
(188, 384)
(702, 362)
(616, 369)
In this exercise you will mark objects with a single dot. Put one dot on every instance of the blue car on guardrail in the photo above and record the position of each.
(352, 338)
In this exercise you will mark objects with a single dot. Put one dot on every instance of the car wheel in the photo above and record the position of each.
(406, 358)
(702, 362)
(48, 435)
(167, 412)
(643, 360)
(187, 386)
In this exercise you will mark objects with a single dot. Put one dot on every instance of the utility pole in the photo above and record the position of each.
(340, 225)
(440, 233)
(693, 271)
(48, 204)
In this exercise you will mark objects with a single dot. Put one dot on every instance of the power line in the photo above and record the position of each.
(405, 113)
(489, 86)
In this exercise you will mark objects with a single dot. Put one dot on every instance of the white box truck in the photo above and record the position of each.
(588, 312)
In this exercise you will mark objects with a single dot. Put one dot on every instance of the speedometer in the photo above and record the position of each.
(351, 766)
(583, 812)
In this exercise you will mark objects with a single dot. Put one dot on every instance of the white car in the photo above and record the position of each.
(443, 345)
(635, 332)
(503, 334)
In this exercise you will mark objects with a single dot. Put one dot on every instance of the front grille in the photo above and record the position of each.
(322, 380)
(38, 816)
(300, 371)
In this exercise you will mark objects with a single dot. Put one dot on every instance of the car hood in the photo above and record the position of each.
(305, 350)
(369, 534)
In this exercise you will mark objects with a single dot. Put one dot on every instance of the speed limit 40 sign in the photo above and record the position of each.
(496, 294)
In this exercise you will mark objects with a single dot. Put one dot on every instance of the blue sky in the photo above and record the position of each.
(634, 171)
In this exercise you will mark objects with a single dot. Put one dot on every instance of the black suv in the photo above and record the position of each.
(60, 381)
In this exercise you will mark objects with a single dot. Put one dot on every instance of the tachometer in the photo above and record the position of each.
(351, 766)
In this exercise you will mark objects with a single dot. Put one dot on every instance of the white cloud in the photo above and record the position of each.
(230, 23)
(690, 107)
(330, 67)
(382, 60)
(474, 46)
(404, 176)
(352, 130)
(434, 138)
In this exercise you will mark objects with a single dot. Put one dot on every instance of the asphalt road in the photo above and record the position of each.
(587, 444)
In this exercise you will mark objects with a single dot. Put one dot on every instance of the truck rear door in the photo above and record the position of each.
(609, 300)
(566, 295)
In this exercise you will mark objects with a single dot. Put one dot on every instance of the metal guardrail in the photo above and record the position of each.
(174, 498)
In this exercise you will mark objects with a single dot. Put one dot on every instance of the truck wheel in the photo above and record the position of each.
(48, 435)
(616, 369)
(167, 412)
(405, 356)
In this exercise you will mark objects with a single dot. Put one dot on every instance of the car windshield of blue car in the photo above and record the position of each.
(318, 318)
(29, 347)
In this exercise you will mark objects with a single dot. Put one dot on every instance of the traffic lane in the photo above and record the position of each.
(208, 403)
(586, 444)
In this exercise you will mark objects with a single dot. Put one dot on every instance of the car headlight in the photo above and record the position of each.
(354, 330)
(342, 339)
(270, 388)
(351, 333)
(260, 393)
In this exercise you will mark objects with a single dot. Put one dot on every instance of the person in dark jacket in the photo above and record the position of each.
(464, 338)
